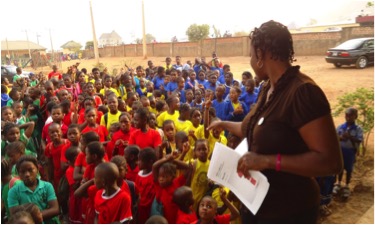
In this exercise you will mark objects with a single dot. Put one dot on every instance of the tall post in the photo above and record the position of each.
(96, 51)
(8, 54)
(37, 38)
(28, 43)
(144, 32)
(50, 38)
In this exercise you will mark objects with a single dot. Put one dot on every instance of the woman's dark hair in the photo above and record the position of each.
(8, 126)
(96, 148)
(90, 137)
(273, 37)
(26, 158)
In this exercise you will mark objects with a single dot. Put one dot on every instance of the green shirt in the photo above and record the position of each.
(16, 77)
(33, 83)
(43, 193)
(4, 195)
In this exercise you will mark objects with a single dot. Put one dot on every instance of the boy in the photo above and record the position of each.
(172, 85)
(57, 117)
(249, 96)
(159, 79)
(219, 103)
(212, 81)
(111, 203)
(113, 115)
(351, 136)
(108, 86)
(183, 198)
(180, 89)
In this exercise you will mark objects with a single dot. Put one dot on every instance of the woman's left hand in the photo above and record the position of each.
(251, 161)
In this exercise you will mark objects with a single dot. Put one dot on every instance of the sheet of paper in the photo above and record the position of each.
(223, 170)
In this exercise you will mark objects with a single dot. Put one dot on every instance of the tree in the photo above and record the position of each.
(217, 33)
(89, 45)
(363, 100)
(198, 32)
(149, 39)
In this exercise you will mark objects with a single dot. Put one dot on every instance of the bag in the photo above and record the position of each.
(156, 208)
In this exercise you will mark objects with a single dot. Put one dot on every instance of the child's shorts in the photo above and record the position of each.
(349, 159)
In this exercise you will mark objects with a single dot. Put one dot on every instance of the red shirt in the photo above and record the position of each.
(149, 139)
(220, 219)
(54, 152)
(114, 208)
(119, 135)
(98, 101)
(165, 196)
(54, 75)
(185, 218)
(99, 129)
(89, 172)
(81, 117)
(132, 174)
(81, 160)
(90, 204)
(45, 135)
(67, 118)
(63, 150)
(145, 185)
(75, 203)
(69, 175)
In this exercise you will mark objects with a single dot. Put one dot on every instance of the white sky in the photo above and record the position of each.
(70, 19)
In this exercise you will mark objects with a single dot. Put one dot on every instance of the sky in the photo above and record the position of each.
(70, 19)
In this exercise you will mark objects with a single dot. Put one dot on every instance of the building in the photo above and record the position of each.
(110, 39)
(71, 47)
(328, 27)
(20, 49)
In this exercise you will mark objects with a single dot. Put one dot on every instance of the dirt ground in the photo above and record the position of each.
(334, 82)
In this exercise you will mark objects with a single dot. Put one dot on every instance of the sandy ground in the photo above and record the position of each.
(334, 82)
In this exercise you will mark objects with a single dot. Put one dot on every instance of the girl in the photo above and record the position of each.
(74, 136)
(245, 76)
(12, 133)
(120, 139)
(89, 102)
(90, 90)
(14, 95)
(183, 123)
(196, 119)
(169, 144)
(131, 156)
(201, 79)
(172, 113)
(164, 171)
(235, 110)
(152, 124)
(189, 95)
(90, 120)
(7, 114)
(198, 101)
(34, 190)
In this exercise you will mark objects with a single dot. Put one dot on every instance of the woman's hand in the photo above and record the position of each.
(251, 161)
(216, 124)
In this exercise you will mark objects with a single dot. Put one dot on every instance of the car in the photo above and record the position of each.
(9, 71)
(359, 51)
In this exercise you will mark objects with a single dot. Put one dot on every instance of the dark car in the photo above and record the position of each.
(10, 71)
(359, 51)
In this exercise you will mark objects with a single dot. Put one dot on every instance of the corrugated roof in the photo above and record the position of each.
(20, 45)
(71, 44)
(113, 35)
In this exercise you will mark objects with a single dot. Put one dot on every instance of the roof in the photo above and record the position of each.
(70, 45)
(20, 45)
(112, 35)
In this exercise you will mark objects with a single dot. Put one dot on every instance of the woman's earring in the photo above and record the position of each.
(260, 65)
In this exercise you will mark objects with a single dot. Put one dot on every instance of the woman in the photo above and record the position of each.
(290, 132)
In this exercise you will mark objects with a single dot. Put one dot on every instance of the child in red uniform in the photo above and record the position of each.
(89, 102)
(90, 90)
(183, 198)
(75, 203)
(111, 203)
(166, 183)
(57, 117)
(90, 116)
(126, 185)
(120, 139)
(145, 183)
(131, 156)
(74, 136)
(53, 153)
(207, 211)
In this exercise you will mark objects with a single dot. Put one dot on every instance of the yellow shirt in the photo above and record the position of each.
(128, 108)
(236, 105)
(199, 133)
(199, 182)
(112, 118)
(102, 91)
(183, 126)
(152, 110)
(190, 155)
(166, 116)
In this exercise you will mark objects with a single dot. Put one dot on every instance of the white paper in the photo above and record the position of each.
(223, 170)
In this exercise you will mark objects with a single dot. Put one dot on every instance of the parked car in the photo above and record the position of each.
(359, 51)
(9, 71)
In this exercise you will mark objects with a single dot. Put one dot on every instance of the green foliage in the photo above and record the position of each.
(363, 100)
(197, 32)
(217, 33)
(149, 38)
(89, 45)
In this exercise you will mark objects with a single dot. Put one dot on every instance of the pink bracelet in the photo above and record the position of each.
(278, 162)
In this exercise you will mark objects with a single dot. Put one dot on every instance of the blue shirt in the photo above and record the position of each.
(175, 66)
(158, 82)
(202, 82)
(208, 85)
(182, 95)
(248, 98)
(171, 86)
(221, 77)
(219, 108)
(197, 68)
(354, 131)
(229, 112)
(226, 93)
(190, 84)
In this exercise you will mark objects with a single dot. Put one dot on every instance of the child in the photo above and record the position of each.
(144, 136)
(160, 107)
(44, 197)
(90, 90)
(74, 136)
(14, 151)
(172, 113)
(183, 123)
(235, 110)
(191, 83)
(75, 203)
(183, 198)
(202, 79)
(7, 114)
(245, 76)
(166, 182)
(145, 183)
(131, 156)
(108, 86)
(21, 217)
(14, 95)
(120, 139)
(189, 95)
(33, 80)
(159, 79)
(249, 96)
(11, 132)
(351, 136)
(180, 89)
(212, 82)
(57, 117)
(7, 182)
(207, 211)
(169, 144)
(98, 86)
(228, 83)
(172, 85)
(111, 203)
(89, 102)
(53, 153)
(152, 124)
(198, 101)
(196, 119)
(150, 88)
(219, 104)
(113, 115)
(4, 95)
(91, 125)
(199, 182)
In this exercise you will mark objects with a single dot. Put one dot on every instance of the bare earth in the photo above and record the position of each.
(334, 82)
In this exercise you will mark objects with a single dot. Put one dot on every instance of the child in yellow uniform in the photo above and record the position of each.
(172, 112)
(183, 123)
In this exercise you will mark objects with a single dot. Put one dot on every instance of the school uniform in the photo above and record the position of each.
(171, 86)
(229, 108)
(149, 139)
(145, 184)
(158, 82)
(248, 98)
(186, 218)
(219, 108)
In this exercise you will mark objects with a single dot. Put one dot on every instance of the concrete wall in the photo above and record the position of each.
(314, 43)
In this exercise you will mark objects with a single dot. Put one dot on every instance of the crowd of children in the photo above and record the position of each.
(92, 147)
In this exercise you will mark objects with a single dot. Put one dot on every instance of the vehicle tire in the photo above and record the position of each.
(337, 65)
(361, 62)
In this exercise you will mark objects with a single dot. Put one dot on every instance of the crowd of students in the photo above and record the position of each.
(132, 147)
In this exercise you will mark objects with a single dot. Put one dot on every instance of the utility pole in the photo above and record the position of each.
(50, 37)
(37, 37)
(96, 51)
(8, 55)
(144, 32)
(28, 43)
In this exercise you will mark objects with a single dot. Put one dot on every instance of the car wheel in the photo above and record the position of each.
(337, 65)
(361, 62)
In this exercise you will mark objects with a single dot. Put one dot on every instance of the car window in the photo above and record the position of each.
(4, 71)
(369, 44)
(12, 69)
(351, 44)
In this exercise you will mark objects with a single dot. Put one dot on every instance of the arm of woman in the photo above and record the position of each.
(324, 157)
(232, 127)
